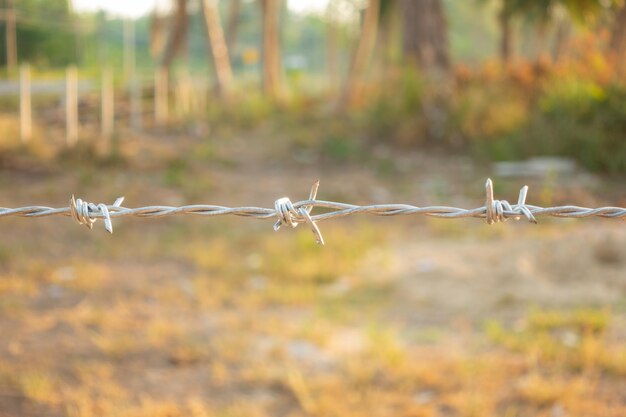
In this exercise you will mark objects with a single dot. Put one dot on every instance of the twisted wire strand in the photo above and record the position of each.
(293, 214)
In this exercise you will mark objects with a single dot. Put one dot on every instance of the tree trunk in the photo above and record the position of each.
(177, 33)
(561, 37)
(232, 27)
(332, 56)
(426, 35)
(539, 41)
(618, 39)
(157, 34)
(10, 35)
(362, 55)
(506, 34)
(388, 22)
(217, 47)
(272, 65)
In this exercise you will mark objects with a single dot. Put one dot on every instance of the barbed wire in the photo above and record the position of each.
(293, 214)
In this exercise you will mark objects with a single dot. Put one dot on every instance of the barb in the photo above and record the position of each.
(292, 214)
(495, 209)
(288, 214)
(84, 212)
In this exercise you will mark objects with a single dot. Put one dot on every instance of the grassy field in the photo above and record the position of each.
(403, 316)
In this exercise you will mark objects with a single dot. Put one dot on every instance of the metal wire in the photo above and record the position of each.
(292, 214)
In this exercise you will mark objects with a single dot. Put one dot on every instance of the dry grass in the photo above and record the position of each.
(197, 317)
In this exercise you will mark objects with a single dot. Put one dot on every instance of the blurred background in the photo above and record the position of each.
(241, 102)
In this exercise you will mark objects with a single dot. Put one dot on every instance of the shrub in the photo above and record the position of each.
(395, 112)
(586, 122)
(579, 119)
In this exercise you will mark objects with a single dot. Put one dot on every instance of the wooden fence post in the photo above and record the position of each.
(160, 96)
(183, 95)
(71, 106)
(107, 116)
(129, 49)
(26, 122)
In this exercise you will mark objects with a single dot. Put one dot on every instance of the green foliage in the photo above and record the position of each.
(176, 172)
(581, 321)
(571, 338)
(245, 112)
(45, 33)
(592, 118)
(340, 148)
(542, 10)
(395, 113)
(490, 110)
(576, 119)
(314, 265)
(470, 26)
(6, 253)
